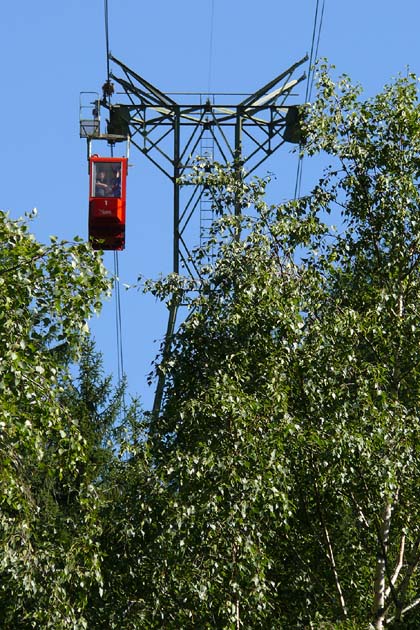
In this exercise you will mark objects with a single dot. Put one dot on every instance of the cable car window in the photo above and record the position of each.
(106, 179)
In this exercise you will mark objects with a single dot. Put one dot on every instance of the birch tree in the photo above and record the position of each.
(278, 487)
(49, 554)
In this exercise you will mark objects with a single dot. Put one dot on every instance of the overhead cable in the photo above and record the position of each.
(107, 38)
(211, 45)
(316, 36)
(118, 316)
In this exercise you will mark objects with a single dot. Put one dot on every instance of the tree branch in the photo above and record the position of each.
(413, 560)
(413, 604)
(397, 568)
(330, 553)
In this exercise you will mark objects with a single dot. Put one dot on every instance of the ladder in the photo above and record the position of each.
(206, 201)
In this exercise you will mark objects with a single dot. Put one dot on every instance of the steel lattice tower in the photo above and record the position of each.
(171, 134)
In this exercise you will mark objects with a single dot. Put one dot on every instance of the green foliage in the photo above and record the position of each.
(48, 556)
(363, 419)
(278, 486)
(283, 468)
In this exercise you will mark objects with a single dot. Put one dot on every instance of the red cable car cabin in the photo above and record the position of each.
(107, 202)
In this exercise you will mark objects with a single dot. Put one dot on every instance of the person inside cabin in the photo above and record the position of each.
(101, 187)
(116, 183)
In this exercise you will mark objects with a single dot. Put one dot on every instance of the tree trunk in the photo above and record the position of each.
(380, 575)
(238, 618)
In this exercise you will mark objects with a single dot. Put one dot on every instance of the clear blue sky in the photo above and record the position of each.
(51, 51)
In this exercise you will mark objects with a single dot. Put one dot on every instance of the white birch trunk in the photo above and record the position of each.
(380, 575)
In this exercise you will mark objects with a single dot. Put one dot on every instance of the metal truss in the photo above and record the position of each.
(243, 132)
(170, 133)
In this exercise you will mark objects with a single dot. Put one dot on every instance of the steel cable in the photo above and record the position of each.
(316, 36)
(118, 316)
